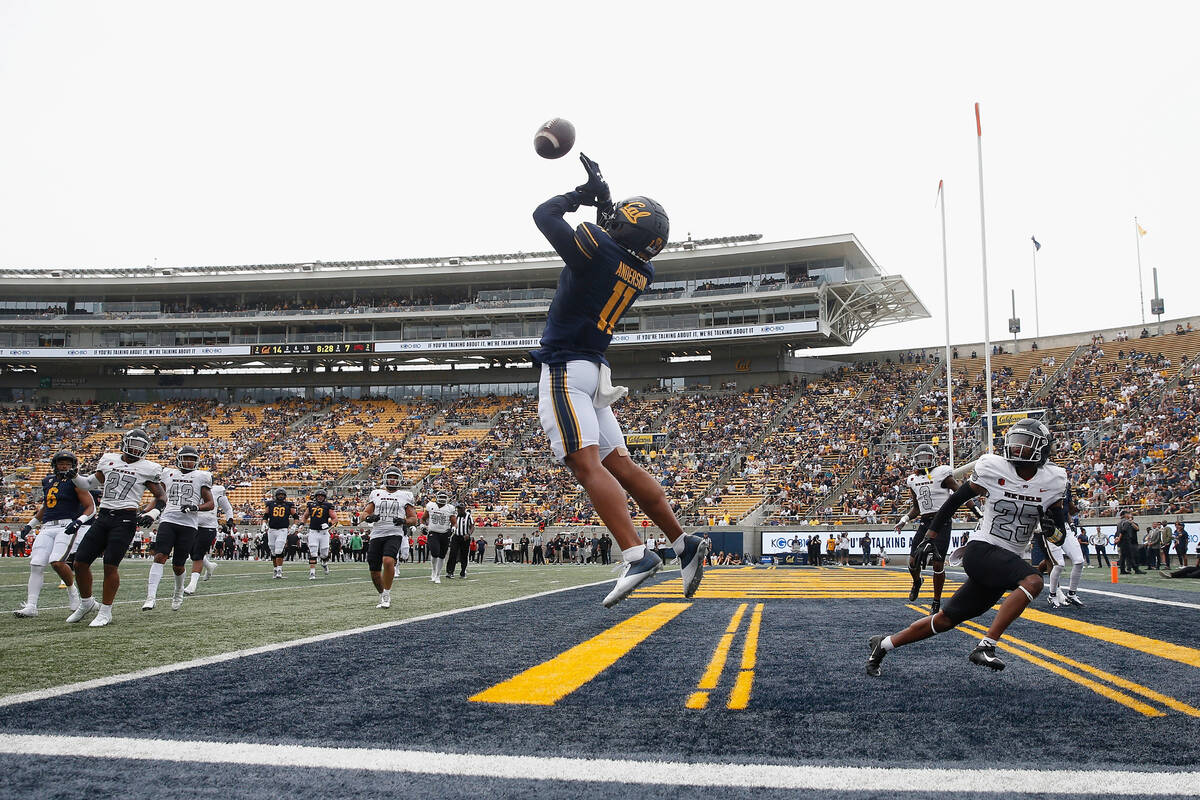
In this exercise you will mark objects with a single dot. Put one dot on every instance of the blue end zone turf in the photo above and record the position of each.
(809, 701)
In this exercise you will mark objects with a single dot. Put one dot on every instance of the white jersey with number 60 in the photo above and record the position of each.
(124, 483)
(1011, 513)
(927, 487)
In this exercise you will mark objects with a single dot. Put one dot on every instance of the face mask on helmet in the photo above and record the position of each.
(65, 467)
(640, 226)
(187, 460)
(924, 458)
(280, 495)
(135, 444)
(1026, 444)
(391, 480)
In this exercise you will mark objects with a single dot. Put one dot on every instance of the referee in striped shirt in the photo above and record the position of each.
(460, 542)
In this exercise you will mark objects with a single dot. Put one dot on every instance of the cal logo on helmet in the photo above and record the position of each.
(634, 211)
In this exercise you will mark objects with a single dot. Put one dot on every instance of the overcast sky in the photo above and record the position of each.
(251, 132)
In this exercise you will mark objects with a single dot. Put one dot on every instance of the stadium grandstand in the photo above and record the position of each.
(310, 375)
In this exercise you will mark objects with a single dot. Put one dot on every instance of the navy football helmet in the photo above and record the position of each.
(640, 226)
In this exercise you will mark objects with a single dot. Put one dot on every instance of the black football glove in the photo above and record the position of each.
(595, 192)
(145, 520)
(398, 521)
(371, 518)
(1050, 531)
(72, 526)
(324, 526)
(188, 509)
(925, 552)
(25, 531)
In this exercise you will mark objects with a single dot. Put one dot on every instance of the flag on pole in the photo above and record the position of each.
(1036, 244)
(1141, 230)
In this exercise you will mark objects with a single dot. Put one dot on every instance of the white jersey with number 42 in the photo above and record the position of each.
(927, 488)
(389, 505)
(1011, 513)
(124, 483)
(183, 489)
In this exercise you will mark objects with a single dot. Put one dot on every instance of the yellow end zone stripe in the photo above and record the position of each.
(739, 698)
(551, 681)
(1144, 644)
(968, 628)
(716, 664)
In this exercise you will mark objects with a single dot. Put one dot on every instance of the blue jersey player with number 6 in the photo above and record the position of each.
(606, 267)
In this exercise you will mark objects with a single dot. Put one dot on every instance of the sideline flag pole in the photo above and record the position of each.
(987, 331)
(941, 198)
(1037, 316)
(1138, 233)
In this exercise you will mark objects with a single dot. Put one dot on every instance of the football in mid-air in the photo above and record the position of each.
(554, 139)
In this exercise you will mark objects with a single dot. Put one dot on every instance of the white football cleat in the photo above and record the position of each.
(633, 576)
(26, 610)
(691, 563)
(176, 602)
(312, 574)
(149, 604)
(385, 599)
(85, 607)
(325, 566)
(100, 621)
(188, 591)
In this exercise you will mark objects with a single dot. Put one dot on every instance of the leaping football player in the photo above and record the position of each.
(206, 535)
(319, 516)
(1059, 554)
(123, 478)
(930, 485)
(277, 519)
(66, 507)
(391, 510)
(1023, 492)
(606, 268)
(189, 491)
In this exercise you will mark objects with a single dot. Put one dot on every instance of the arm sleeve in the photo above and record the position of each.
(549, 220)
(960, 498)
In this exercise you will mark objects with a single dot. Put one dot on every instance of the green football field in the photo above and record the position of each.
(240, 607)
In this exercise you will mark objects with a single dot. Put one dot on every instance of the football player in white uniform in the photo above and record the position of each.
(440, 516)
(930, 485)
(206, 535)
(189, 491)
(391, 510)
(1023, 493)
(65, 508)
(124, 476)
(1059, 554)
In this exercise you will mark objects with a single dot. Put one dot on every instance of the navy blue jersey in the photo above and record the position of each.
(318, 514)
(598, 284)
(279, 515)
(60, 499)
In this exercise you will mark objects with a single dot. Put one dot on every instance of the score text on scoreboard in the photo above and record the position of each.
(312, 349)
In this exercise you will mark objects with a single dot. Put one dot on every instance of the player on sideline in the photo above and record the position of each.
(189, 491)
(124, 476)
(392, 510)
(65, 508)
(319, 516)
(1022, 491)
(607, 266)
(206, 534)
(276, 520)
(930, 485)
(440, 518)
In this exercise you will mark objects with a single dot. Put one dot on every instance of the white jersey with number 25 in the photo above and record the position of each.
(1011, 513)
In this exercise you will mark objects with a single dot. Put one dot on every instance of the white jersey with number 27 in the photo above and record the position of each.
(124, 483)
(1011, 514)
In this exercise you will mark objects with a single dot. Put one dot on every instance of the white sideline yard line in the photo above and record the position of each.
(1121, 595)
(111, 680)
(879, 780)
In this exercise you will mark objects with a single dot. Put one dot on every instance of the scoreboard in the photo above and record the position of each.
(312, 348)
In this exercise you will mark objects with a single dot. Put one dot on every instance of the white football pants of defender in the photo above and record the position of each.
(318, 544)
(573, 410)
(277, 537)
(51, 543)
(1071, 551)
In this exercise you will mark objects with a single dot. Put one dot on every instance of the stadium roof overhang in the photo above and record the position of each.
(856, 307)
